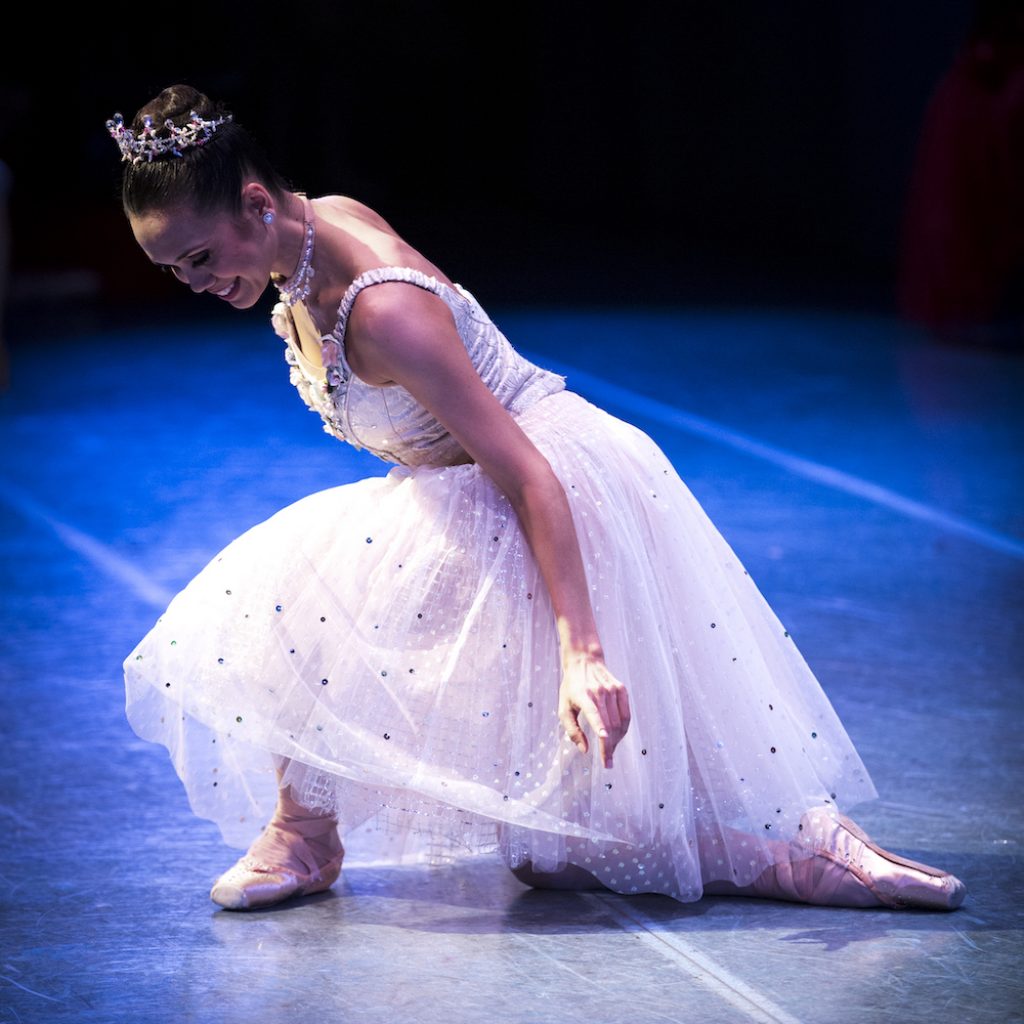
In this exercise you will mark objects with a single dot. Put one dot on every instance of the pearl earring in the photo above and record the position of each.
(268, 217)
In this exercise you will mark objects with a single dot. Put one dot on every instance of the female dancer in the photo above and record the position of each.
(439, 658)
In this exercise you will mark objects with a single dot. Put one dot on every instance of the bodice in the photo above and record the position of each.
(389, 421)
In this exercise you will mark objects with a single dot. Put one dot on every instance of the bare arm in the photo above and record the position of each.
(407, 335)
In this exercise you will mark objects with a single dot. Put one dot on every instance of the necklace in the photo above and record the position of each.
(296, 288)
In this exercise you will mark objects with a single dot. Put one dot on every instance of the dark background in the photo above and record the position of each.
(540, 153)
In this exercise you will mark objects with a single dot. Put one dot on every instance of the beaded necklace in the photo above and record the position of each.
(296, 288)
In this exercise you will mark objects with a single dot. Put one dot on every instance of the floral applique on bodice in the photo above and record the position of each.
(389, 421)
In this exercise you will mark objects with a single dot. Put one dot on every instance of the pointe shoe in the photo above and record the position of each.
(835, 864)
(263, 876)
(811, 879)
(894, 881)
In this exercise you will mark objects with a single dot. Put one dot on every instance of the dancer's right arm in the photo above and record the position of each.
(404, 334)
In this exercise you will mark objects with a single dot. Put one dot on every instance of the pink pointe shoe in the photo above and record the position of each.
(281, 864)
(845, 868)
(895, 882)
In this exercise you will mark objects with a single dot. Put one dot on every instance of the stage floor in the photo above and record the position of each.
(871, 483)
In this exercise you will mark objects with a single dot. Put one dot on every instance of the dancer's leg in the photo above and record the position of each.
(297, 853)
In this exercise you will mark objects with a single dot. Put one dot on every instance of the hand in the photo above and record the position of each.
(588, 688)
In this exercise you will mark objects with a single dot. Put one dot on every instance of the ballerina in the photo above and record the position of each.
(527, 637)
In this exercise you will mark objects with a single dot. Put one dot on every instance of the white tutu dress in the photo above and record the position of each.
(393, 639)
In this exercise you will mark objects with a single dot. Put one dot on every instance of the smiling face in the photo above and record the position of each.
(218, 253)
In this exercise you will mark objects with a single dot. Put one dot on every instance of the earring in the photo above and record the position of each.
(268, 217)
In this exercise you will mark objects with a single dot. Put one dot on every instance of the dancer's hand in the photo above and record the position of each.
(588, 688)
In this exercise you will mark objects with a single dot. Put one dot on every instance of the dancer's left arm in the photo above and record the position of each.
(405, 335)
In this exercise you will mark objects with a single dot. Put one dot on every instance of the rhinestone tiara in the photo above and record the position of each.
(146, 144)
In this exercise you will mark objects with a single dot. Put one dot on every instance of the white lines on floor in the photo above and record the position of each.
(754, 1005)
(103, 557)
(607, 394)
(30, 991)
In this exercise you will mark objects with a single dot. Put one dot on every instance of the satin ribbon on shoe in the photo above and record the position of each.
(261, 878)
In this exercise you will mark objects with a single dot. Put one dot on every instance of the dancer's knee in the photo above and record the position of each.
(570, 878)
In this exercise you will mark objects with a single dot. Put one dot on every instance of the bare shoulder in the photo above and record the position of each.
(397, 331)
(345, 207)
(398, 320)
(367, 241)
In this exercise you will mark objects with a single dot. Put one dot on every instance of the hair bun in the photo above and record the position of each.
(176, 104)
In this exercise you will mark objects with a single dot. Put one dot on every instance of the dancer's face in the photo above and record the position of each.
(226, 255)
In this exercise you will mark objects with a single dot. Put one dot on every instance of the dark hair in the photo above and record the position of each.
(208, 177)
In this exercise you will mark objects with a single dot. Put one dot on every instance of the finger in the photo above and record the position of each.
(607, 748)
(572, 729)
(625, 714)
(610, 711)
(594, 718)
(596, 723)
(611, 743)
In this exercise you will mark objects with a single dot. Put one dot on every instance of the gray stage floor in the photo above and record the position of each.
(870, 482)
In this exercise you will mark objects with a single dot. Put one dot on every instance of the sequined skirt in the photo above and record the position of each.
(394, 641)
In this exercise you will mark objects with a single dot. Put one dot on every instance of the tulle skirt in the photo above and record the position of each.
(391, 642)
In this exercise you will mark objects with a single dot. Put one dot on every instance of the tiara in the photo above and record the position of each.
(146, 145)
